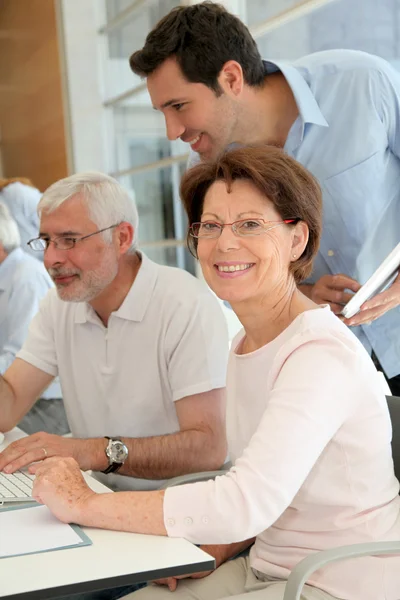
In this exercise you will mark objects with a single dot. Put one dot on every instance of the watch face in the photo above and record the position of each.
(119, 451)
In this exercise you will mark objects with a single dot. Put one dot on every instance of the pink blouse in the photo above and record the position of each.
(310, 438)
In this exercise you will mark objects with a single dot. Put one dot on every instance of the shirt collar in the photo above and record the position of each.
(137, 299)
(305, 99)
(8, 266)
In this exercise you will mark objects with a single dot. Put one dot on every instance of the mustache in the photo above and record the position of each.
(54, 272)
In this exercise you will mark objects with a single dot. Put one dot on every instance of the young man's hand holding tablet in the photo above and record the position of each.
(382, 289)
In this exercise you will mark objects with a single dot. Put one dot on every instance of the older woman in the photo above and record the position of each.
(312, 462)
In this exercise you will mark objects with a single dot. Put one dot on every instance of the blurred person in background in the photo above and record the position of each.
(23, 284)
(22, 198)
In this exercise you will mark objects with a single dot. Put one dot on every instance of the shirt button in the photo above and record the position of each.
(171, 522)
(331, 253)
(205, 520)
(188, 521)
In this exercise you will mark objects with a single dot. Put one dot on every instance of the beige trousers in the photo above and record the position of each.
(234, 578)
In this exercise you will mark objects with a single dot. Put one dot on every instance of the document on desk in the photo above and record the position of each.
(33, 529)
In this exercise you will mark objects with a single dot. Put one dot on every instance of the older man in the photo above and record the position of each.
(140, 349)
(23, 284)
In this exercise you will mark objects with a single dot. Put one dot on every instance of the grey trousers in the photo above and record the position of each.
(46, 415)
(234, 578)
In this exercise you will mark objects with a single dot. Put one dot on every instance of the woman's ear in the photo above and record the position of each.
(299, 239)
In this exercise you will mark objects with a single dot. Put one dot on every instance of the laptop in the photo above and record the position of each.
(16, 487)
(383, 277)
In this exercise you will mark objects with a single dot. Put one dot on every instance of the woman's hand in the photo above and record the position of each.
(60, 485)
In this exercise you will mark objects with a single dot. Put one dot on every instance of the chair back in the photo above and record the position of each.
(394, 410)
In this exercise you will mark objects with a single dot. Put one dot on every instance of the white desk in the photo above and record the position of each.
(114, 559)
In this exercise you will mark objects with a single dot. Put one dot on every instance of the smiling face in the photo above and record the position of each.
(83, 272)
(193, 111)
(236, 268)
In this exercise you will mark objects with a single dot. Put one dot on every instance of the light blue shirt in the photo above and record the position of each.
(22, 201)
(348, 135)
(23, 283)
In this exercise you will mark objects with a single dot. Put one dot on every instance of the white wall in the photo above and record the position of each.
(84, 85)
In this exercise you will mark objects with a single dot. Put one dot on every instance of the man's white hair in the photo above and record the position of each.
(108, 203)
(10, 238)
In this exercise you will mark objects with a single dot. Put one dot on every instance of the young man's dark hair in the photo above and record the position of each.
(202, 38)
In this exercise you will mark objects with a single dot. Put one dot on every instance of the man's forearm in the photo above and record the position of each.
(165, 456)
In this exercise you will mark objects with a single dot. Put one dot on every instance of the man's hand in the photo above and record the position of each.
(221, 553)
(172, 582)
(377, 306)
(330, 289)
(59, 484)
(42, 445)
(215, 551)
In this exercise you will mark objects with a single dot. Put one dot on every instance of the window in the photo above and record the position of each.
(143, 159)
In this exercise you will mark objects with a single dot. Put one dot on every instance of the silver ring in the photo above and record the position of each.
(45, 452)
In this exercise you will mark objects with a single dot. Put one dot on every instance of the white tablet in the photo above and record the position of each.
(383, 277)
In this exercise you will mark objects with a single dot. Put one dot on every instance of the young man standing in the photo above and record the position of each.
(336, 112)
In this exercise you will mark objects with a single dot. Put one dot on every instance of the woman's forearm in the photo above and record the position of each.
(138, 512)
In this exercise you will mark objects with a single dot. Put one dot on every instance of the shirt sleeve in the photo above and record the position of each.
(39, 347)
(197, 347)
(306, 407)
(387, 99)
(23, 304)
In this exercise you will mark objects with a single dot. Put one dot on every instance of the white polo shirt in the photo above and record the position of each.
(168, 340)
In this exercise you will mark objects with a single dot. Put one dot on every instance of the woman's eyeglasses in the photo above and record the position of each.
(242, 228)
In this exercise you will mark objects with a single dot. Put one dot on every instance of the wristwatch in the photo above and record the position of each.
(117, 453)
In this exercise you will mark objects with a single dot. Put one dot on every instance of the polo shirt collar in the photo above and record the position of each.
(305, 100)
(7, 267)
(139, 296)
(137, 299)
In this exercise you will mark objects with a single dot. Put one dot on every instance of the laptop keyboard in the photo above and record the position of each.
(16, 485)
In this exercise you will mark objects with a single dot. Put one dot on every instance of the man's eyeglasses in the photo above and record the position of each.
(242, 228)
(63, 242)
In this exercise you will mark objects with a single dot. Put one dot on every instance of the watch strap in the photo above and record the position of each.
(114, 466)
